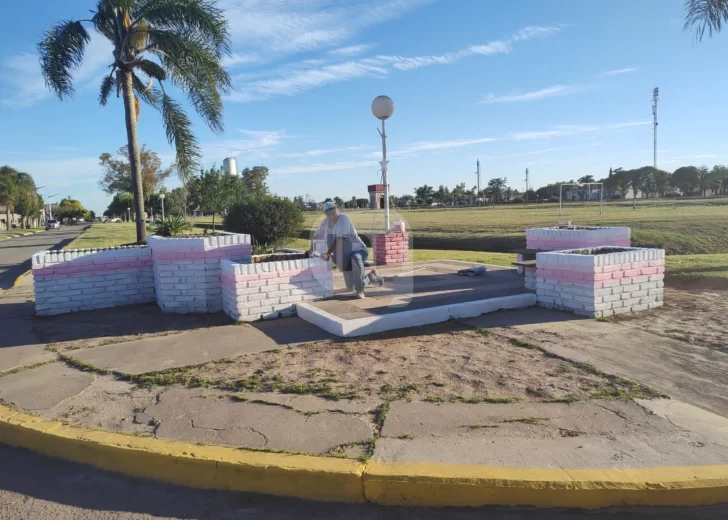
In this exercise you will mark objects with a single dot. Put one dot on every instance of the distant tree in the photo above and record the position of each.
(28, 205)
(119, 204)
(177, 202)
(70, 208)
(686, 178)
(117, 172)
(460, 193)
(704, 180)
(718, 178)
(339, 202)
(442, 194)
(254, 180)
(705, 14)
(425, 194)
(662, 181)
(213, 191)
(92, 215)
(585, 179)
(362, 203)
(497, 186)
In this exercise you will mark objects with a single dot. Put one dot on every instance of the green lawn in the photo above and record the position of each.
(679, 228)
(105, 235)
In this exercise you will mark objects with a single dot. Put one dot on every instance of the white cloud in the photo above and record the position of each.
(618, 72)
(326, 151)
(427, 146)
(24, 84)
(557, 90)
(533, 31)
(496, 47)
(302, 80)
(281, 27)
(236, 59)
(571, 130)
(352, 50)
(324, 167)
(257, 145)
(63, 148)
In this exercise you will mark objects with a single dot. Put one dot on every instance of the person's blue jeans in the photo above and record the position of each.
(351, 265)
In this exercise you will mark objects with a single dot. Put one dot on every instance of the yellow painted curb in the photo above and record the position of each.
(344, 480)
(208, 467)
(437, 485)
(16, 282)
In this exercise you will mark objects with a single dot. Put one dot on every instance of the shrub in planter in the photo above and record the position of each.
(269, 220)
(170, 226)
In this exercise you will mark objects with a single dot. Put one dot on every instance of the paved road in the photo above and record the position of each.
(15, 253)
(40, 488)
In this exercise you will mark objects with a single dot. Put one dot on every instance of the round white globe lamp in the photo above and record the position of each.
(383, 108)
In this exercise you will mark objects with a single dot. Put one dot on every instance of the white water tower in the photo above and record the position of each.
(230, 166)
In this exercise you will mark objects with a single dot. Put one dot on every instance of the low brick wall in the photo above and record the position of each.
(555, 238)
(86, 279)
(599, 285)
(271, 289)
(187, 270)
(390, 248)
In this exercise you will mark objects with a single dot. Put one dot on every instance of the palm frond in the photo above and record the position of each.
(107, 85)
(145, 92)
(196, 18)
(61, 52)
(179, 133)
(153, 70)
(705, 15)
(197, 71)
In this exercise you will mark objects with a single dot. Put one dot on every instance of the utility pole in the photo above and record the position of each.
(526, 194)
(477, 173)
(655, 98)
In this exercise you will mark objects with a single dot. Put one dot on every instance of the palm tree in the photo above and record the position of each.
(705, 14)
(180, 41)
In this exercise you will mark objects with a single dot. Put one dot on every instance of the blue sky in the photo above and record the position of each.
(562, 87)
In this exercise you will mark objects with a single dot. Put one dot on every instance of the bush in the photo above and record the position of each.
(553, 199)
(517, 200)
(671, 195)
(170, 227)
(268, 219)
(616, 196)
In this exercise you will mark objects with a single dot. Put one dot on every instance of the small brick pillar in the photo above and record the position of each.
(390, 248)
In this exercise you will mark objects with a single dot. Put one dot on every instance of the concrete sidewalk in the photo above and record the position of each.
(141, 388)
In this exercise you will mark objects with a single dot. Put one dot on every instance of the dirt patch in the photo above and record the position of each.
(696, 317)
(441, 363)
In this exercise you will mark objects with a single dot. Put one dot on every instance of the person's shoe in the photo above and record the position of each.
(375, 279)
(360, 294)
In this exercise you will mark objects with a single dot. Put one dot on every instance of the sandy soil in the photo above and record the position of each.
(697, 317)
(440, 363)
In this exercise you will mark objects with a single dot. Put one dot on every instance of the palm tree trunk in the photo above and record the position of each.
(134, 159)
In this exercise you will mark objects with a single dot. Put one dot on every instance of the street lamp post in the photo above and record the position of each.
(128, 213)
(383, 108)
(50, 207)
(161, 197)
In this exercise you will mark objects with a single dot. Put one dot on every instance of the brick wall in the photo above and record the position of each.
(271, 289)
(86, 279)
(187, 270)
(530, 275)
(554, 238)
(601, 285)
(390, 248)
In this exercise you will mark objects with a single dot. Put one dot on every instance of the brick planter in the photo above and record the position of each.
(87, 279)
(390, 248)
(187, 270)
(610, 281)
(555, 238)
(271, 290)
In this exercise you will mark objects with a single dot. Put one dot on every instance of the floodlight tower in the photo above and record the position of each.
(477, 173)
(655, 99)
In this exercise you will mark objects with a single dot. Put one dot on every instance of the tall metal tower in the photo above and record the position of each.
(477, 173)
(655, 98)
(526, 194)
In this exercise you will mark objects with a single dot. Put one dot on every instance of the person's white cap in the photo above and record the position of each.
(328, 206)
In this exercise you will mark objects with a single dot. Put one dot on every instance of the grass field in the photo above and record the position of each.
(695, 234)
(677, 228)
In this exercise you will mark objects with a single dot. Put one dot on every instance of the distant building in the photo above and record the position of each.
(376, 196)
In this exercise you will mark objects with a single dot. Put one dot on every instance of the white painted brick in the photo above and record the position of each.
(638, 308)
(257, 297)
